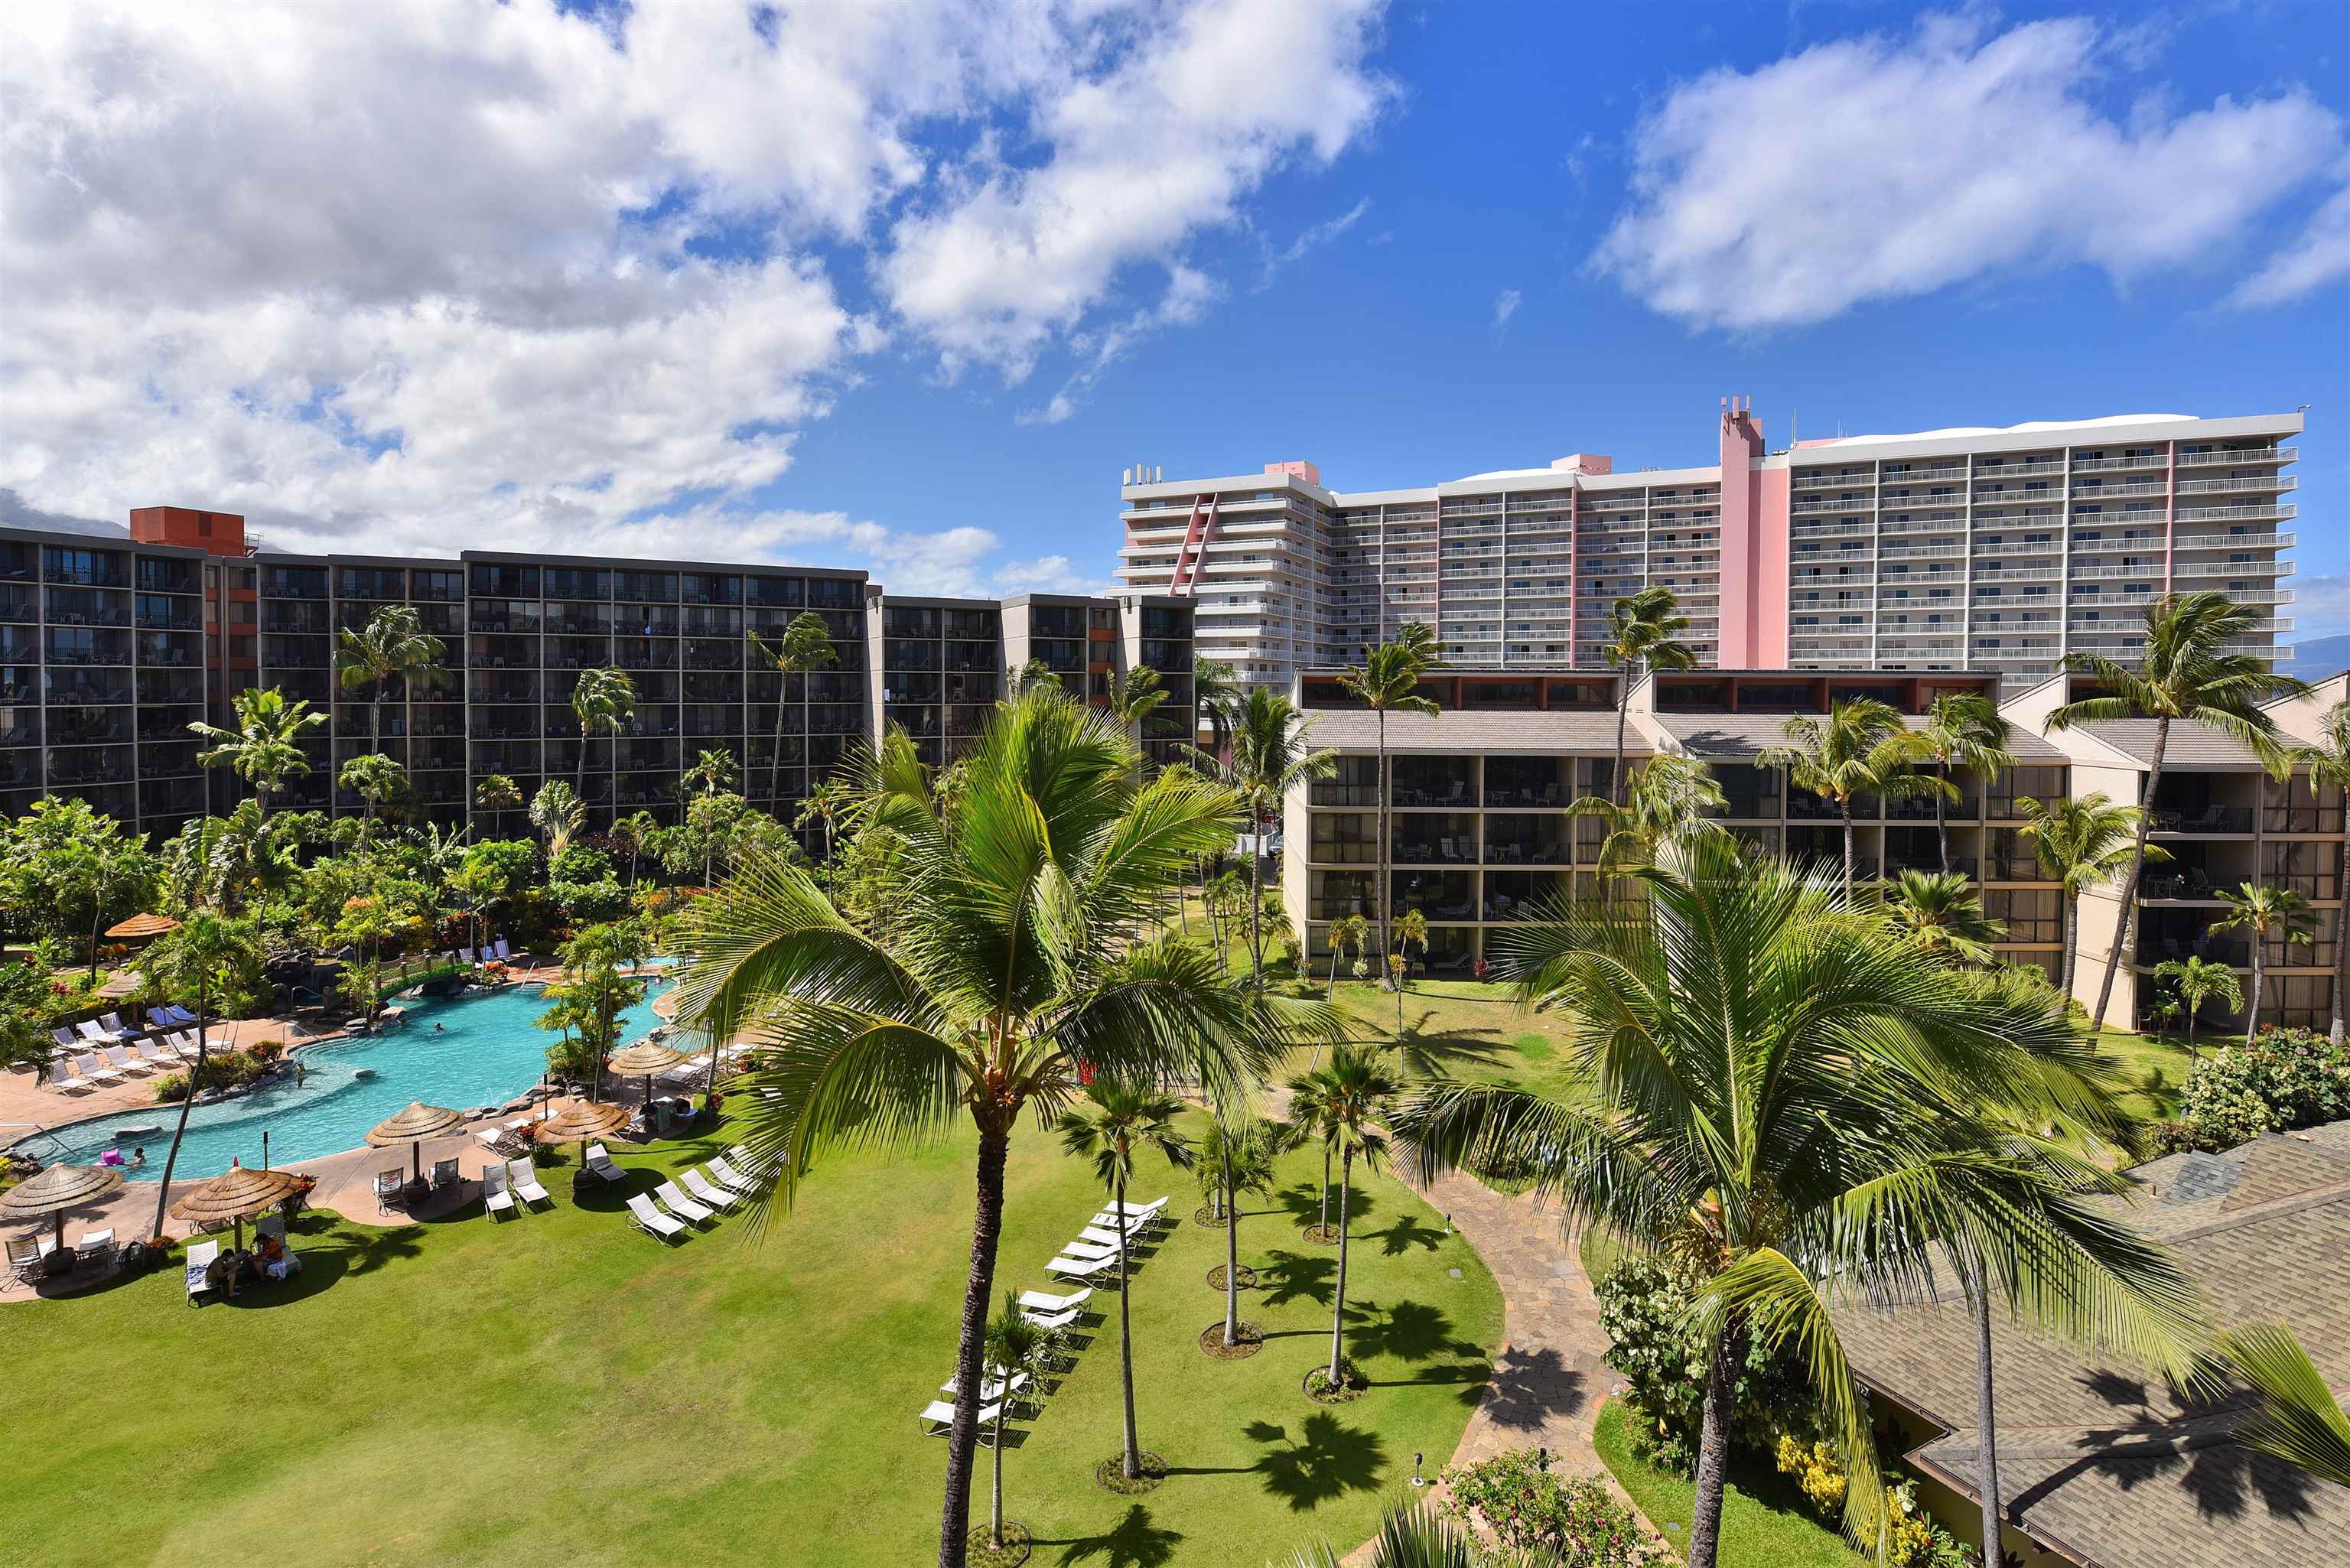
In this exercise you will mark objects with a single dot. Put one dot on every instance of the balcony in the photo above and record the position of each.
(2209, 821)
(2245, 454)
(2260, 511)
(2113, 465)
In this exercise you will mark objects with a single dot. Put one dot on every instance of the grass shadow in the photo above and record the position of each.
(1134, 1542)
(1406, 1232)
(1286, 1277)
(1408, 1331)
(1324, 1461)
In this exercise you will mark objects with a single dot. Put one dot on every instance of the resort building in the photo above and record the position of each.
(1479, 833)
(1963, 549)
(110, 646)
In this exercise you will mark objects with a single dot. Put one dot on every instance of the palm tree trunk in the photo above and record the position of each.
(2342, 936)
(2260, 973)
(1339, 1306)
(1942, 825)
(963, 1435)
(1385, 977)
(1623, 708)
(1324, 1224)
(2072, 910)
(1844, 808)
(582, 785)
(774, 799)
(995, 1508)
(1231, 1257)
(1256, 896)
(2127, 937)
(97, 913)
(1712, 1460)
(1132, 1460)
(187, 1102)
(1986, 1422)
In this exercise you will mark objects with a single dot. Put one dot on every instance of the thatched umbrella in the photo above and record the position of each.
(237, 1194)
(412, 1126)
(139, 927)
(582, 1120)
(642, 1060)
(56, 1189)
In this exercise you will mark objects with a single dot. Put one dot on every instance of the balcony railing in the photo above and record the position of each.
(2249, 455)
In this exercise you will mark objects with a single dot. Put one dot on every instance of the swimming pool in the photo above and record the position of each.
(487, 1052)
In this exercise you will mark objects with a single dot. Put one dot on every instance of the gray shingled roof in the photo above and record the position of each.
(1475, 729)
(2189, 746)
(1738, 736)
(2095, 1460)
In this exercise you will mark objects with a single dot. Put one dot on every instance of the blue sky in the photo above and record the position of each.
(911, 301)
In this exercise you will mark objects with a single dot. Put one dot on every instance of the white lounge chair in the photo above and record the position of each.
(95, 1247)
(119, 1058)
(938, 1419)
(1087, 1249)
(1037, 1301)
(184, 1044)
(499, 950)
(1052, 1321)
(1106, 1220)
(730, 1178)
(91, 1034)
(1150, 1210)
(599, 1161)
(67, 1040)
(112, 1024)
(524, 1182)
(1101, 1237)
(651, 1220)
(1081, 1268)
(96, 1071)
(270, 1225)
(496, 1199)
(465, 956)
(703, 1190)
(158, 1053)
(991, 1387)
(65, 1080)
(200, 1260)
(679, 1204)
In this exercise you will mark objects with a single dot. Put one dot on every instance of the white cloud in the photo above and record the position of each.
(1878, 168)
(2322, 604)
(1505, 305)
(1159, 142)
(1051, 574)
(1188, 296)
(460, 273)
(2321, 255)
(1309, 239)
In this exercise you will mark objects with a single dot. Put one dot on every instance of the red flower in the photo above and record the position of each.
(1086, 1072)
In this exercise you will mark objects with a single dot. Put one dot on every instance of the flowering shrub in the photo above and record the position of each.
(2285, 1078)
(1516, 1497)
(1918, 1541)
(1643, 1308)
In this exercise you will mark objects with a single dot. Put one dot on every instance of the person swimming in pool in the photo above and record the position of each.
(440, 1028)
(139, 1157)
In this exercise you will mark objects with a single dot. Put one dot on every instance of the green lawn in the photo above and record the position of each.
(1763, 1524)
(2156, 1099)
(561, 1390)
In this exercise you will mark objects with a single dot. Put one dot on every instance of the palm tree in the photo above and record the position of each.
(1356, 1094)
(375, 779)
(559, 814)
(2266, 914)
(605, 699)
(712, 771)
(392, 646)
(1863, 750)
(1215, 686)
(633, 835)
(1349, 933)
(1939, 912)
(1670, 798)
(2082, 843)
(497, 792)
(1769, 1083)
(826, 805)
(1116, 1124)
(1235, 1155)
(1963, 730)
(265, 746)
(805, 644)
(992, 983)
(2187, 676)
(1015, 1344)
(1414, 1535)
(1265, 757)
(1310, 1120)
(1411, 930)
(2197, 980)
(1388, 682)
(2298, 1419)
(1643, 634)
(2328, 762)
(198, 957)
(1134, 696)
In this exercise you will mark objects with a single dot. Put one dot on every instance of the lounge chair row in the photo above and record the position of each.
(28, 1256)
(496, 952)
(1095, 1250)
(668, 1211)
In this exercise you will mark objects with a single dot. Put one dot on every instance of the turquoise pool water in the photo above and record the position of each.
(487, 1051)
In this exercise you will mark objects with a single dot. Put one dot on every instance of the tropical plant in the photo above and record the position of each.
(1963, 730)
(1215, 686)
(2297, 1420)
(1643, 634)
(1030, 677)
(1939, 912)
(231, 862)
(392, 646)
(1265, 755)
(2081, 842)
(604, 698)
(2186, 676)
(67, 867)
(559, 814)
(2287, 1078)
(1766, 1082)
(712, 771)
(1412, 931)
(1113, 1126)
(2328, 762)
(990, 985)
(1863, 749)
(805, 644)
(1236, 1156)
(1014, 1345)
(1413, 1535)
(377, 780)
(1670, 796)
(632, 835)
(826, 805)
(198, 958)
(265, 746)
(2267, 914)
(1388, 682)
(497, 792)
(1348, 934)
(599, 984)
(1352, 1098)
(1134, 695)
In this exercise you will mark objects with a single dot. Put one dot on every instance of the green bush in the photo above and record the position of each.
(590, 903)
(2285, 1078)
(1528, 1509)
(1644, 1308)
(224, 1070)
(581, 863)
